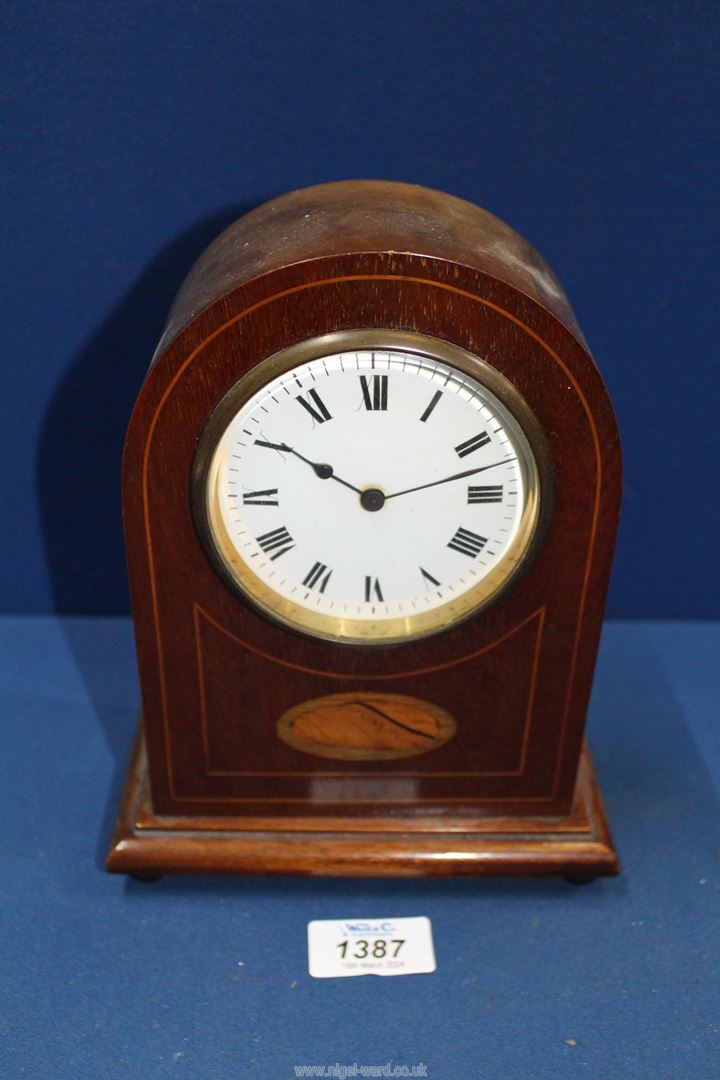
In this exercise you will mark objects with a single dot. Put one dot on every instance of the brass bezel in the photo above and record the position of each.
(534, 461)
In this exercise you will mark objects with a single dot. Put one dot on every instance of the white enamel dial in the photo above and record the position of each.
(370, 494)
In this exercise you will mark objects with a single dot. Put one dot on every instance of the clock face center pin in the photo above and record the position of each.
(372, 499)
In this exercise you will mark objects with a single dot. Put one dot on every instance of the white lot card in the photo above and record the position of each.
(344, 947)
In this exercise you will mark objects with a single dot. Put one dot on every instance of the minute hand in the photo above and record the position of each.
(447, 479)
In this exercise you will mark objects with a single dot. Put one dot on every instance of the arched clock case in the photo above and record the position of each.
(370, 490)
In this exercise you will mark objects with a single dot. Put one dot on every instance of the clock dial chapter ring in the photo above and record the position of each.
(328, 487)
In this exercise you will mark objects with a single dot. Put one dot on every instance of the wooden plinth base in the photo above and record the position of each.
(578, 847)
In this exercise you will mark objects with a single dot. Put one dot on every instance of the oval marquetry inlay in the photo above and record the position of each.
(365, 726)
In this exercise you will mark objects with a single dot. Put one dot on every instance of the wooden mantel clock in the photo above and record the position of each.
(371, 489)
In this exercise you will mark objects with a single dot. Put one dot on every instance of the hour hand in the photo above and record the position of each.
(321, 469)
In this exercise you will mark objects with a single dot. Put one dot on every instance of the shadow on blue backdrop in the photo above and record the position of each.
(80, 446)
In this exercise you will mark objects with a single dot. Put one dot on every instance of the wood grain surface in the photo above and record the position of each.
(365, 727)
(216, 676)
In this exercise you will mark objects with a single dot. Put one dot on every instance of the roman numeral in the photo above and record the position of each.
(467, 543)
(485, 494)
(377, 400)
(372, 589)
(318, 410)
(429, 577)
(261, 498)
(313, 577)
(433, 402)
(277, 540)
(470, 445)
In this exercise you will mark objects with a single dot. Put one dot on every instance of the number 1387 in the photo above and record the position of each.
(378, 948)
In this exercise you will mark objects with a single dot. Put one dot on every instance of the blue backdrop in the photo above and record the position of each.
(134, 132)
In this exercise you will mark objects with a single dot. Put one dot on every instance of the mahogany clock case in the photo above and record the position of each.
(213, 787)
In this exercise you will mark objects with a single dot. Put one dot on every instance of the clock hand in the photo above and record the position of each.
(274, 445)
(321, 469)
(447, 479)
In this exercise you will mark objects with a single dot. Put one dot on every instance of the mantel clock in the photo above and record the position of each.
(370, 490)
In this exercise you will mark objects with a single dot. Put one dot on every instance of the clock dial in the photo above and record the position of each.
(370, 494)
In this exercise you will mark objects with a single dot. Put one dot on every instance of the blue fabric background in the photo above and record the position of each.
(134, 132)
